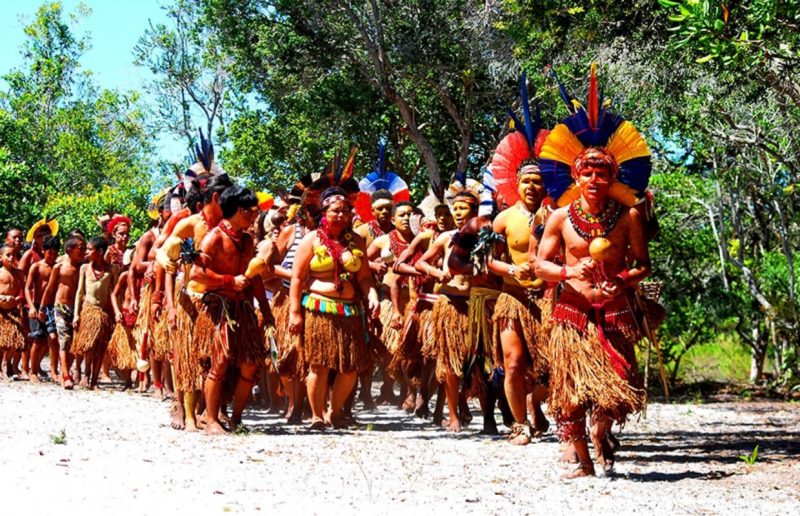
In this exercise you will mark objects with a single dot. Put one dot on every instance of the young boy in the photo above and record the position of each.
(94, 314)
(41, 318)
(60, 292)
(11, 282)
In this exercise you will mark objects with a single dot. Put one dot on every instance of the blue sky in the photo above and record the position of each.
(114, 27)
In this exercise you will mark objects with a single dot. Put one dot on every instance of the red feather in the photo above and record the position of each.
(593, 100)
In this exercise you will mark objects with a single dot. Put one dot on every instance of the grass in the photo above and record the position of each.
(60, 438)
(751, 458)
(724, 360)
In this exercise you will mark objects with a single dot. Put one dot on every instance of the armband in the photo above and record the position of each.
(623, 277)
(227, 281)
(563, 273)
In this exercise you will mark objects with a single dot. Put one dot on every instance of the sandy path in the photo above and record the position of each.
(121, 456)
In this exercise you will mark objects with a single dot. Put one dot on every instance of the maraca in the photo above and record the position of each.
(599, 250)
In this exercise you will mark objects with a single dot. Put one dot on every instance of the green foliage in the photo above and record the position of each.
(65, 144)
(751, 457)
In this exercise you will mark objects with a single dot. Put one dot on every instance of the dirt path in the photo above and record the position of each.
(120, 455)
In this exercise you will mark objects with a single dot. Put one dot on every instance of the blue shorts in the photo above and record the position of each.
(40, 330)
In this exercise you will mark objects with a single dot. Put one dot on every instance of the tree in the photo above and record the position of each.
(191, 76)
(62, 138)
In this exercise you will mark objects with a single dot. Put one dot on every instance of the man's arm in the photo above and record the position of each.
(80, 294)
(300, 270)
(202, 273)
(30, 295)
(401, 265)
(433, 253)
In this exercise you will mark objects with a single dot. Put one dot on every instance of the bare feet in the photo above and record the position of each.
(369, 403)
(35, 378)
(104, 378)
(583, 470)
(85, 382)
(540, 422)
(521, 434)
(409, 404)
(68, 383)
(454, 425)
(178, 417)
(158, 393)
(570, 456)
(215, 428)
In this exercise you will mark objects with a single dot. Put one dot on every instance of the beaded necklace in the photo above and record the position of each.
(396, 243)
(590, 226)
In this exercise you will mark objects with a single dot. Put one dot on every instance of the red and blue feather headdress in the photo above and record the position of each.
(379, 179)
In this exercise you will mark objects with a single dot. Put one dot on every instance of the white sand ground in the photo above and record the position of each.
(121, 457)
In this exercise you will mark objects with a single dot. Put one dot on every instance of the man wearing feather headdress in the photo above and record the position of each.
(178, 244)
(221, 291)
(596, 166)
(518, 313)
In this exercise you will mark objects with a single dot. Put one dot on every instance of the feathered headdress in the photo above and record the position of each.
(593, 127)
(434, 199)
(464, 188)
(336, 173)
(522, 144)
(379, 179)
(205, 164)
(51, 223)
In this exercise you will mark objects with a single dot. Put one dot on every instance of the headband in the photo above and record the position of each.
(332, 199)
(595, 154)
(467, 198)
(382, 202)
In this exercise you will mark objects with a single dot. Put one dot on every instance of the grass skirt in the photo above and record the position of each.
(290, 360)
(142, 325)
(122, 347)
(415, 336)
(390, 336)
(11, 336)
(236, 336)
(335, 341)
(160, 343)
(450, 321)
(94, 331)
(186, 361)
(515, 311)
(583, 374)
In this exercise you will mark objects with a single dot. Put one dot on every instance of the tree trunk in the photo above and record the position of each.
(758, 352)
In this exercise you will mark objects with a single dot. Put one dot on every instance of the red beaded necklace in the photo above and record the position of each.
(590, 226)
(236, 239)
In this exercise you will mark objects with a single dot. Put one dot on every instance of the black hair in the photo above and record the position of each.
(216, 185)
(73, 241)
(5, 246)
(400, 205)
(14, 228)
(51, 243)
(77, 233)
(194, 196)
(163, 203)
(236, 197)
(377, 195)
(99, 243)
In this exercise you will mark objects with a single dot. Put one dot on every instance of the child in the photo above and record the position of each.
(11, 282)
(41, 318)
(94, 320)
(60, 292)
(122, 347)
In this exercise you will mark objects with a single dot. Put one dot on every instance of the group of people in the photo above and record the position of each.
(518, 289)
